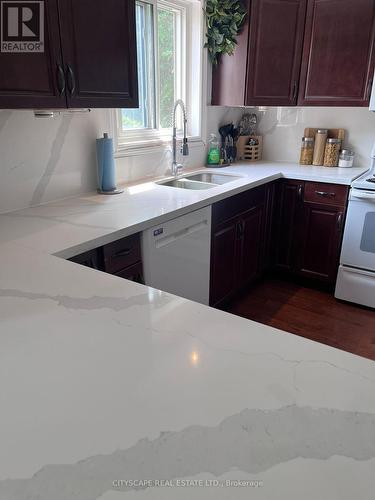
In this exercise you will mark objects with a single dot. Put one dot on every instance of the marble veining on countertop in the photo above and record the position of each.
(70, 226)
(108, 387)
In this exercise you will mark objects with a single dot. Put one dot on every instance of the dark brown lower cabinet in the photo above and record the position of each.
(121, 258)
(237, 243)
(310, 220)
(92, 258)
(224, 261)
(289, 202)
(132, 273)
(320, 241)
(251, 245)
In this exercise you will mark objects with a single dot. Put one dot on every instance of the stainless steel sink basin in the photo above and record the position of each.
(184, 183)
(212, 177)
(199, 180)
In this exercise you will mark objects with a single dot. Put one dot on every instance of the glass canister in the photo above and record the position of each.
(331, 153)
(307, 151)
(320, 144)
(346, 158)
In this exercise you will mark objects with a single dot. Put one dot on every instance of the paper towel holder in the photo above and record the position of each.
(115, 189)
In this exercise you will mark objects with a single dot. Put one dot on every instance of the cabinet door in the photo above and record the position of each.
(320, 240)
(122, 253)
(269, 226)
(99, 50)
(338, 55)
(132, 273)
(289, 202)
(33, 79)
(275, 47)
(224, 261)
(252, 245)
(92, 258)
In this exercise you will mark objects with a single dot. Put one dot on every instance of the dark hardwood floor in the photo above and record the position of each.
(309, 313)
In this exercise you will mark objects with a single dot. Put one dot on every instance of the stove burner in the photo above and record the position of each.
(372, 179)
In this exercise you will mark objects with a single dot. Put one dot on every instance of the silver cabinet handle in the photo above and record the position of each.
(369, 88)
(339, 221)
(325, 194)
(61, 84)
(295, 91)
(71, 79)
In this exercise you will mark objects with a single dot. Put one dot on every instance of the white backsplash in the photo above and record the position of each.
(283, 129)
(48, 159)
(44, 159)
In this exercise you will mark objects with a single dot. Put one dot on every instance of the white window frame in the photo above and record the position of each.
(143, 141)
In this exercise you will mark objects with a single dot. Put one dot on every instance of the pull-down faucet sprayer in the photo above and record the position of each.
(176, 167)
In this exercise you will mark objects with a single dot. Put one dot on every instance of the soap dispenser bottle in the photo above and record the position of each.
(213, 157)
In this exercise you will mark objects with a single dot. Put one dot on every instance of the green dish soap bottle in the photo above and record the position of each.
(213, 157)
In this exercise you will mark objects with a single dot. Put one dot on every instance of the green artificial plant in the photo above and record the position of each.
(224, 19)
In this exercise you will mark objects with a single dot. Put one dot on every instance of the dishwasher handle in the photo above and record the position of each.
(182, 233)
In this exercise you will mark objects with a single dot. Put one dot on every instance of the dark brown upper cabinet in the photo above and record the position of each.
(89, 59)
(275, 48)
(31, 80)
(99, 50)
(265, 67)
(305, 52)
(338, 55)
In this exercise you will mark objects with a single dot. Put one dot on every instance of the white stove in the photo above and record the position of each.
(356, 276)
(365, 181)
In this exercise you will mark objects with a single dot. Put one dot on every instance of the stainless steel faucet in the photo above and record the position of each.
(176, 167)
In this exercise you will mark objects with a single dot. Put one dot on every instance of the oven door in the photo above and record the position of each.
(358, 249)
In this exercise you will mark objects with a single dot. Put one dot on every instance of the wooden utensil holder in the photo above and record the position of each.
(249, 153)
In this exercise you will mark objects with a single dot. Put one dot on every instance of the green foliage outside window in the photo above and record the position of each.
(166, 37)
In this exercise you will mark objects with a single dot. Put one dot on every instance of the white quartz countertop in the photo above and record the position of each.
(106, 384)
(70, 226)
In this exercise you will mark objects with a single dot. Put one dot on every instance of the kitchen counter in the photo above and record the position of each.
(104, 381)
(74, 225)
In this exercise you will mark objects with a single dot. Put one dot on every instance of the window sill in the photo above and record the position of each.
(150, 146)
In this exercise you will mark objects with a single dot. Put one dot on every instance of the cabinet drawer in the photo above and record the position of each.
(132, 273)
(326, 194)
(122, 253)
(235, 205)
(92, 258)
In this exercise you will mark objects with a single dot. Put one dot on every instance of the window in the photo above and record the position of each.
(169, 53)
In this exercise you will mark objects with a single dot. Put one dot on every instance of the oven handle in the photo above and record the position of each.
(363, 195)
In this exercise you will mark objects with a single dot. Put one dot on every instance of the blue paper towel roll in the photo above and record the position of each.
(106, 164)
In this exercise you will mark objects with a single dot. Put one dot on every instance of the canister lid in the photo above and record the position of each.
(331, 140)
(322, 131)
(307, 139)
(348, 152)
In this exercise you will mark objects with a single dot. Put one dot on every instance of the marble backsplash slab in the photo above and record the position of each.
(42, 160)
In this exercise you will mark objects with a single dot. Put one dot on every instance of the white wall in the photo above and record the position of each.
(47, 159)
(283, 129)
(44, 159)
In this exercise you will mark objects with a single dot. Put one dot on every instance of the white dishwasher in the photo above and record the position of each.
(176, 255)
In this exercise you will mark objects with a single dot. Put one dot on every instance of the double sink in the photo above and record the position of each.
(199, 180)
